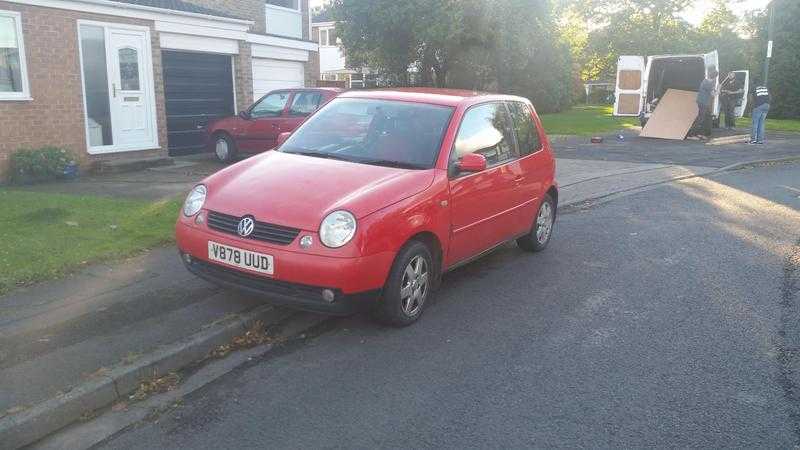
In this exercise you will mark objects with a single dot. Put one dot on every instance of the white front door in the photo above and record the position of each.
(118, 87)
(129, 99)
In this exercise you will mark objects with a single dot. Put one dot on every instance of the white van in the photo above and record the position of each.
(640, 85)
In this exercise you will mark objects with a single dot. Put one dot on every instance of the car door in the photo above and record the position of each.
(743, 83)
(536, 164)
(630, 86)
(262, 128)
(482, 204)
(302, 105)
(712, 62)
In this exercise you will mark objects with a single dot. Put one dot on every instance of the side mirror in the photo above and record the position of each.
(282, 138)
(472, 162)
(244, 115)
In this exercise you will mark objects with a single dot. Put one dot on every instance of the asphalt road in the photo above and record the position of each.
(666, 318)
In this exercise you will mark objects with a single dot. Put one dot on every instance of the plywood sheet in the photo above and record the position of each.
(629, 103)
(630, 80)
(673, 117)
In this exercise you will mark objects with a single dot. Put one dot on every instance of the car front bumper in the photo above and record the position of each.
(300, 279)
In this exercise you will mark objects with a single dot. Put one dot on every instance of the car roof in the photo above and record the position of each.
(436, 96)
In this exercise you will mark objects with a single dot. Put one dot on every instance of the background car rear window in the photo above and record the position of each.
(270, 106)
(527, 133)
(304, 103)
(486, 129)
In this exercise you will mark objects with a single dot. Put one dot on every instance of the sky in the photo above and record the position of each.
(694, 14)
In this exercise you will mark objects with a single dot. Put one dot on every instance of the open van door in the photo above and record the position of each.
(743, 83)
(712, 61)
(630, 86)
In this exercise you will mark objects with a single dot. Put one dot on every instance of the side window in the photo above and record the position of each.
(527, 134)
(305, 103)
(486, 129)
(270, 106)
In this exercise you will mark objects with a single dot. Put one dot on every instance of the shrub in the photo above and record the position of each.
(41, 164)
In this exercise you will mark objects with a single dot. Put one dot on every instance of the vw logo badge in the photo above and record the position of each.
(246, 226)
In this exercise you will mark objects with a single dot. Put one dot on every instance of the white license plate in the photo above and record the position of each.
(237, 257)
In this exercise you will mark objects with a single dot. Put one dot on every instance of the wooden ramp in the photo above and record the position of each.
(673, 117)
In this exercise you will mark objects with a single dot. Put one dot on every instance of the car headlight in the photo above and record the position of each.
(337, 229)
(194, 202)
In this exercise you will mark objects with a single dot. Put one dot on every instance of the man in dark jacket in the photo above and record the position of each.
(760, 110)
(705, 101)
(728, 96)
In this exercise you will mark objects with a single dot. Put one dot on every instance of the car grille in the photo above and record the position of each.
(266, 232)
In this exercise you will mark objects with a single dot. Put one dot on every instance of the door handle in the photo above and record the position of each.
(114, 89)
(275, 126)
(519, 179)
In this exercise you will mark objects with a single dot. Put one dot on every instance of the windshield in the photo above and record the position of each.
(380, 132)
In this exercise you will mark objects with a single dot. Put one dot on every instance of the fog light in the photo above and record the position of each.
(187, 258)
(200, 219)
(306, 242)
(328, 295)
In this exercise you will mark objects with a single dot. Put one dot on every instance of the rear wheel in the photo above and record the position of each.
(224, 148)
(409, 286)
(542, 229)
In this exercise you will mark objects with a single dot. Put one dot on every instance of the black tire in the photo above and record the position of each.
(534, 241)
(224, 157)
(396, 308)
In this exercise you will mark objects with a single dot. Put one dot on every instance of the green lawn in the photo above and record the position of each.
(586, 121)
(46, 235)
(790, 125)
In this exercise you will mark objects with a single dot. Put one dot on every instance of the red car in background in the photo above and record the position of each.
(371, 199)
(256, 129)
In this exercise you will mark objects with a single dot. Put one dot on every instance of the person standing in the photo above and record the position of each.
(760, 110)
(728, 96)
(705, 100)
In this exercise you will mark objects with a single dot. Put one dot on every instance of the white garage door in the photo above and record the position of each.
(271, 74)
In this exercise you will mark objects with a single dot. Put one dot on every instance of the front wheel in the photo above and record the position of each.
(541, 232)
(409, 286)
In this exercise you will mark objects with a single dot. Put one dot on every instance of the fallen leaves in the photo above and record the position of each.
(156, 385)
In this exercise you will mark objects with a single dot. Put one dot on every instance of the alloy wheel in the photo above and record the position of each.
(544, 222)
(414, 286)
(221, 149)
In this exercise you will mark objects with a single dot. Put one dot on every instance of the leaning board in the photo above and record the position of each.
(673, 117)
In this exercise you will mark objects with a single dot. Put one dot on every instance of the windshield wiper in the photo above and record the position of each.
(390, 163)
(319, 155)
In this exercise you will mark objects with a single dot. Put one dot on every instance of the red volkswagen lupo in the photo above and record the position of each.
(373, 198)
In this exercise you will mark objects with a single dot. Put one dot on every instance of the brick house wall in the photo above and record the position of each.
(55, 116)
(244, 77)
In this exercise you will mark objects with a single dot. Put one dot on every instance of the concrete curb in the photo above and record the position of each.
(574, 204)
(44, 418)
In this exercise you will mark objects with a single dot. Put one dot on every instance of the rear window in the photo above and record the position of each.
(380, 132)
(527, 133)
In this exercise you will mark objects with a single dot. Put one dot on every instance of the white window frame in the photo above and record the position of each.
(327, 32)
(283, 8)
(149, 79)
(25, 95)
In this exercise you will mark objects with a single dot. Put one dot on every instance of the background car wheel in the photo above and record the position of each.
(224, 148)
(542, 230)
(409, 286)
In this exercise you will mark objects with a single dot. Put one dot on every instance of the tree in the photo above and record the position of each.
(631, 27)
(785, 62)
(719, 30)
(505, 45)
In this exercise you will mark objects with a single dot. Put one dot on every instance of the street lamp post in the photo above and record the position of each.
(770, 27)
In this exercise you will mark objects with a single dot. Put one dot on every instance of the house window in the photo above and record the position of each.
(291, 4)
(13, 74)
(327, 37)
